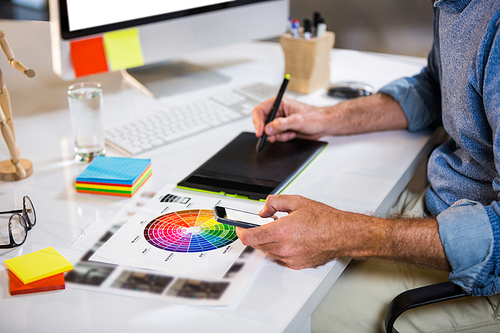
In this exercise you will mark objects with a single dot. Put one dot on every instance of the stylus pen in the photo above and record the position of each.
(262, 140)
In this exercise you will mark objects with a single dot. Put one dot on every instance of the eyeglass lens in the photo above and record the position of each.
(18, 228)
(30, 211)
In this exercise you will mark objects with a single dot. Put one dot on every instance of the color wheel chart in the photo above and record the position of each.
(187, 231)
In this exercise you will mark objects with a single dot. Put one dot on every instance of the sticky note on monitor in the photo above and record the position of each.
(38, 265)
(123, 49)
(88, 57)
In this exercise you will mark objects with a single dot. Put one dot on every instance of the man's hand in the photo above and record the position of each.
(360, 115)
(313, 233)
(310, 236)
(293, 119)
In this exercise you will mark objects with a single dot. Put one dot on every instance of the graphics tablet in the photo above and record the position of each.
(238, 170)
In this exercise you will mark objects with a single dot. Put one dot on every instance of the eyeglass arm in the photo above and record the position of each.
(12, 211)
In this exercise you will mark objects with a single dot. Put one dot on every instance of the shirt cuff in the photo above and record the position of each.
(467, 237)
(409, 100)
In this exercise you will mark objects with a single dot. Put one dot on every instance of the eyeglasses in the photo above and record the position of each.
(20, 222)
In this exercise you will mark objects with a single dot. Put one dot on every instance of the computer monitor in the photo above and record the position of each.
(99, 36)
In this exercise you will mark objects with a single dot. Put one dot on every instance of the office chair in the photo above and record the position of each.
(417, 297)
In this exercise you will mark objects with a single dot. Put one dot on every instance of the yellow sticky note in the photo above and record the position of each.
(37, 265)
(123, 49)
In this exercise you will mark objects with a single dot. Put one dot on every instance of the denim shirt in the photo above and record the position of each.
(460, 89)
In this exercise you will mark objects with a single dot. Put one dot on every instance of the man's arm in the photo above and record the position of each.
(294, 119)
(414, 241)
(373, 113)
(314, 233)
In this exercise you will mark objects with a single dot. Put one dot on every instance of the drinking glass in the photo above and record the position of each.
(85, 107)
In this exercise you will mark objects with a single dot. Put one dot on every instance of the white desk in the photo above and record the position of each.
(362, 173)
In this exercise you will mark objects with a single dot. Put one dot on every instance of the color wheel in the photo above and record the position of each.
(187, 231)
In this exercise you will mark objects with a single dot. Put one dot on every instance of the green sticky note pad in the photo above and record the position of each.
(123, 49)
(37, 265)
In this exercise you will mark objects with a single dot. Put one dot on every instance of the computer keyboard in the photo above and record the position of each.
(176, 122)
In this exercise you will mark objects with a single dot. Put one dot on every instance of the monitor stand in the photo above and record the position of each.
(171, 78)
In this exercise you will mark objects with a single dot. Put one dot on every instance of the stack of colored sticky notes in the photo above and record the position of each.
(37, 271)
(120, 176)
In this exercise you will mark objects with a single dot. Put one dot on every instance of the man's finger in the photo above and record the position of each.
(255, 236)
(260, 114)
(279, 203)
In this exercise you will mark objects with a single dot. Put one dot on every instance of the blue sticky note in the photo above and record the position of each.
(114, 170)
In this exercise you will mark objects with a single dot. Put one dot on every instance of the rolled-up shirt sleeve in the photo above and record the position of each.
(419, 98)
(467, 232)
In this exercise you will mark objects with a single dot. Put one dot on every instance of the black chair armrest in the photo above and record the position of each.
(418, 297)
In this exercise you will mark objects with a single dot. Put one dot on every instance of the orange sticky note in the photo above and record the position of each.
(88, 56)
(17, 287)
(37, 265)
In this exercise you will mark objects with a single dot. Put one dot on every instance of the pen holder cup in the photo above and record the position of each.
(307, 61)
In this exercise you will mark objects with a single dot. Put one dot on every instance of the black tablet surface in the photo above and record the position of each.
(238, 170)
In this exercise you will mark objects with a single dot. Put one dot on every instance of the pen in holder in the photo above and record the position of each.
(307, 61)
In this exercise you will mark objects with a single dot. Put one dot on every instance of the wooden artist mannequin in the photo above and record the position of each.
(15, 168)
